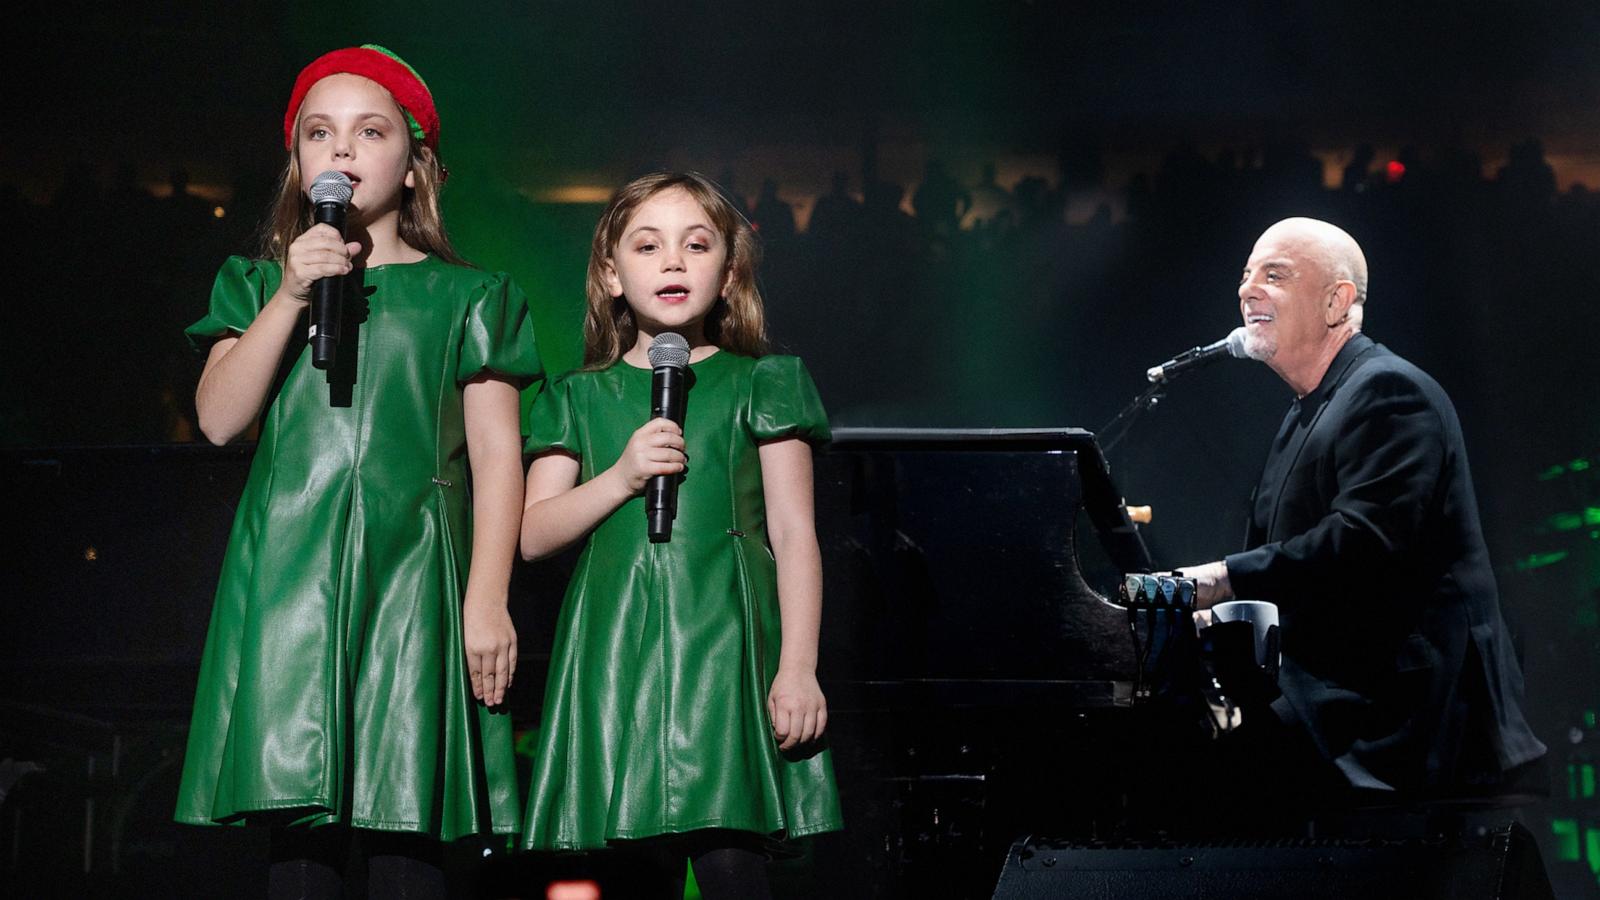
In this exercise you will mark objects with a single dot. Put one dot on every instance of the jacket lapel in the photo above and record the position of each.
(1304, 420)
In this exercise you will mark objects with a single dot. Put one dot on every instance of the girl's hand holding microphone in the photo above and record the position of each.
(319, 253)
(657, 448)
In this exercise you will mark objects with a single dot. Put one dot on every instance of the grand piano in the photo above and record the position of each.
(953, 567)
(982, 680)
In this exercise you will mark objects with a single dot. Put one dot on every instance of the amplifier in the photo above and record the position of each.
(1500, 865)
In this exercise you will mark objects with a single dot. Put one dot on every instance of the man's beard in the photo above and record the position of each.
(1259, 347)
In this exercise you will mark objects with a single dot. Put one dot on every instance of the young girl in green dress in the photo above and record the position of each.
(360, 629)
(682, 713)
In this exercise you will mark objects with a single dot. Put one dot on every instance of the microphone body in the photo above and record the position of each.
(1232, 345)
(330, 198)
(669, 393)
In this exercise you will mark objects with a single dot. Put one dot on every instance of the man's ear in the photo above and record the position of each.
(1340, 300)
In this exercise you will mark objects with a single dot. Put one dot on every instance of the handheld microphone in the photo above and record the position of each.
(1232, 345)
(330, 197)
(669, 389)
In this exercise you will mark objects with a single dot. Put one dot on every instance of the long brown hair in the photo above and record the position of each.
(736, 321)
(421, 225)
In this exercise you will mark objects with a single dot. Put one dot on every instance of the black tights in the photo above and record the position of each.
(729, 872)
(727, 866)
(309, 864)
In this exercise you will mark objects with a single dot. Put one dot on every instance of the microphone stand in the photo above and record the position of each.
(1149, 397)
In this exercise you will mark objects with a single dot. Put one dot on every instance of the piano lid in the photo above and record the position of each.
(1100, 498)
(952, 554)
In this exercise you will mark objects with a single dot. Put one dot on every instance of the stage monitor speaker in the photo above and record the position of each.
(1502, 865)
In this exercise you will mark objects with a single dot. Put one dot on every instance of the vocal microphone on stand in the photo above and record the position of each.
(1232, 345)
(330, 197)
(669, 389)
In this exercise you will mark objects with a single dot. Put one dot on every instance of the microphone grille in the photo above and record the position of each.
(669, 349)
(1236, 340)
(331, 187)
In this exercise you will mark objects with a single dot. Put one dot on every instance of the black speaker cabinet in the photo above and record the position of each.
(1501, 865)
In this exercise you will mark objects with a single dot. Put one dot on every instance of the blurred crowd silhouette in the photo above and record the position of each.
(982, 304)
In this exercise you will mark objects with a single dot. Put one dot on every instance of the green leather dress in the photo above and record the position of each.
(334, 685)
(655, 713)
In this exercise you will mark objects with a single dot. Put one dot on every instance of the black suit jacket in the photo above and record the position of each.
(1364, 530)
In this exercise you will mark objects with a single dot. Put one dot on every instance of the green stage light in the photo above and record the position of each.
(1539, 560)
(1566, 834)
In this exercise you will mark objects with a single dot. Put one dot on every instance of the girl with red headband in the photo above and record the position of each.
(360, 637)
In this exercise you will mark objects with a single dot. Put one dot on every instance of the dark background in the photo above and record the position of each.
(1137, 150)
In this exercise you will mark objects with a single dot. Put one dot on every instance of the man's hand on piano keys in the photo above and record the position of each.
(1210, 583)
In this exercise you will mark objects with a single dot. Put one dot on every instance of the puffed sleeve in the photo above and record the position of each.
(551, 424)
(784, 402)
(498, 336)
(242, 287)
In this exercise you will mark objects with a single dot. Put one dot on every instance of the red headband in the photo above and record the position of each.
(370, 61)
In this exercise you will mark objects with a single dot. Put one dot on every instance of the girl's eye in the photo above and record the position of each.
(646, 248)
(698, 245)
(370, 131)
(318, 133)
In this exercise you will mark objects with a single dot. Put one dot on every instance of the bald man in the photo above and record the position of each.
(1364, 530)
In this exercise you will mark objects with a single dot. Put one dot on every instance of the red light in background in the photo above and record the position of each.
(572, 890)
(1394, 171)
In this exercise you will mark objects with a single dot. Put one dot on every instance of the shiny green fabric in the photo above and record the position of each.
(334, 685)
(655, 714)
